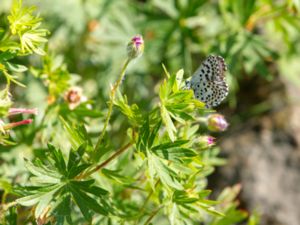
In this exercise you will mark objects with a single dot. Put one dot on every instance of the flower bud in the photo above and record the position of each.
(206, 141)
(15, 124)
(216, 123)
(15, 111)
(135, 47)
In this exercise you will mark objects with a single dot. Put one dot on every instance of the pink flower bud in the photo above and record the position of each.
(216, 123)
(210, 140)
(206, 141)
(135, 47)
(16, 124)
(14, 111)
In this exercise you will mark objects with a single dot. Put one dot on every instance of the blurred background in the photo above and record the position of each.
(260, 41)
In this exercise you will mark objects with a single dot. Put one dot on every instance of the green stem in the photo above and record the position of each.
(111, 103)
(152, 215)
(142, 209)
(100, 166)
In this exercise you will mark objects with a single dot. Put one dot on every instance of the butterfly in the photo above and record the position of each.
(208, 82)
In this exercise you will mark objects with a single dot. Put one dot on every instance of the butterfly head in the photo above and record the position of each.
(187, 84)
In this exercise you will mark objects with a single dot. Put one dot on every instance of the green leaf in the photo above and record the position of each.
(168, 145)
(6, 55)
(143, 137)
(5, 185)
(44, 202)
(82, 111)
(76, 170)
(35, 198)
(132, 112)
(85, 202)
(181, 197)
(16, 67)
(24, 24)
(12, 217)
(60, 164)
(157, 166)
(173, 150)
(62, 207)
(88, 187)
(82, 203)
(30, 200)
(116, 176)
(210, 209)
(46, 174)
(153, 134)
(171, 129)
(175, 153)
(75, 156)
(5, 102)
(9, 49)
(75, 134)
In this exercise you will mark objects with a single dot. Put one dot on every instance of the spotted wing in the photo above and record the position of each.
(208, 82)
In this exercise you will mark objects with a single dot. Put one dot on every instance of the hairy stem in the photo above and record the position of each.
(111, 103)
(100, 166)
(152, 215)
(146, 200)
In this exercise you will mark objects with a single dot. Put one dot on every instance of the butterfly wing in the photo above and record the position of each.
(208, 82)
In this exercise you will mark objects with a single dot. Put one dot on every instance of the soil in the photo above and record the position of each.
(263, 152)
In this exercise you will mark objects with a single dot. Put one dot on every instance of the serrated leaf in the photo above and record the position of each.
(171, 129)
(35, 198)
(62, 207)
(153, 134)
(87, 186)
(44, 202)
(84, 201)
(48, 175)
(75, 156)
(132, 112)
(76, 170)
(57, 155)
(166, 175)
(82, 204)
(75, 137)
(30, 200)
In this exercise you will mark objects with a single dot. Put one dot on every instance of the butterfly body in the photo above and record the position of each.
(208, 82)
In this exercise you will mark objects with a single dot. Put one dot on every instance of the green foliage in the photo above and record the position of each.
(26, 26)
(54, 74)
(5, 103)
(176, 103)
(55, 185)
(152, 164)
(160, 172)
